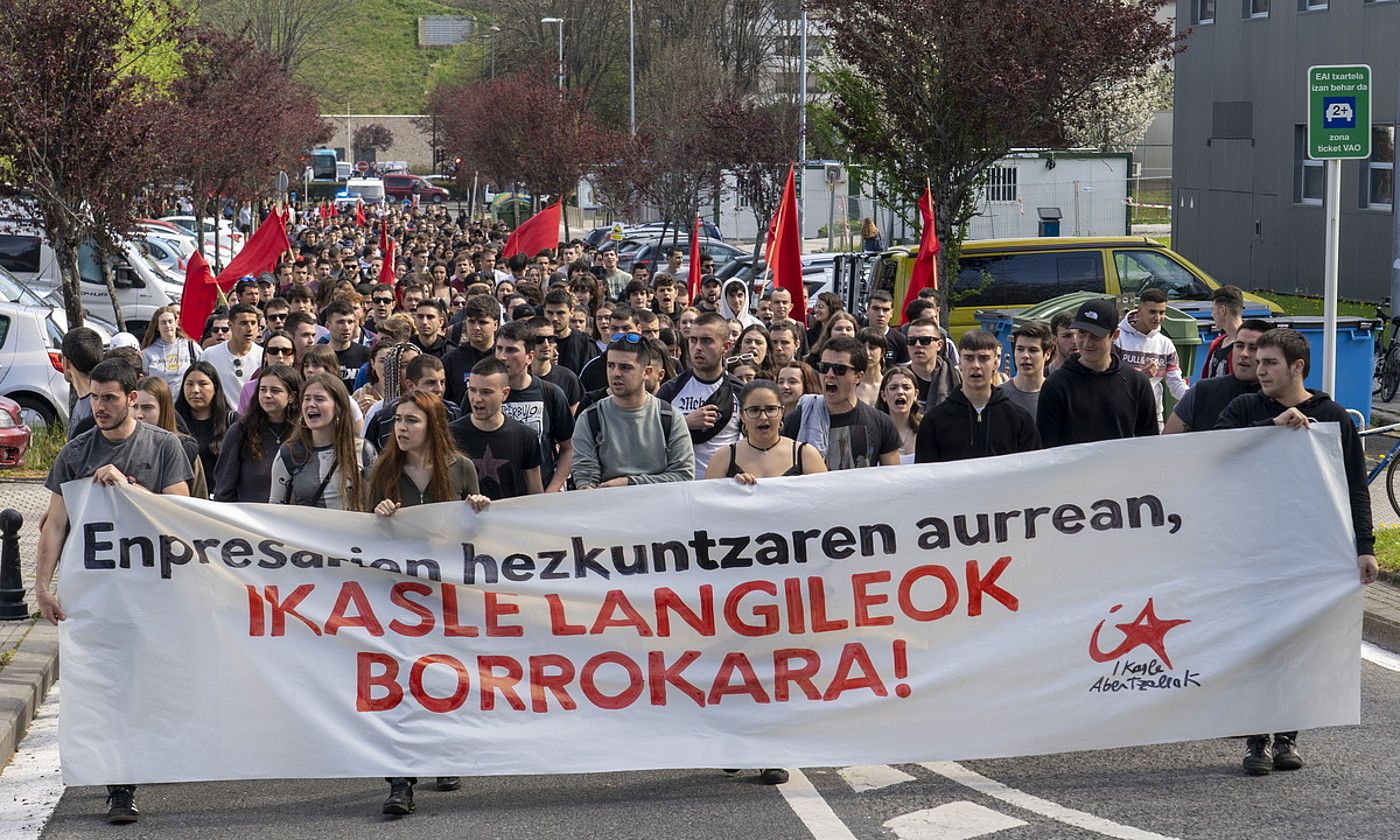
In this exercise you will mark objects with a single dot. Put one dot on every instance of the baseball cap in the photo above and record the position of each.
(709, 280)
(1098, 316)
(125, 339)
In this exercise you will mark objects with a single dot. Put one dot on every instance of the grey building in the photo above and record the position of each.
(1247, 203)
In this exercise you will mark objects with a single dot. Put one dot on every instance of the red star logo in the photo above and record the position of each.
(1147, 629)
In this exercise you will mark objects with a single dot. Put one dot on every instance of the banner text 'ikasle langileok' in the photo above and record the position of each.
(1106, 595)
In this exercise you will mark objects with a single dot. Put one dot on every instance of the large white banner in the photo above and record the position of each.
(1096, 596)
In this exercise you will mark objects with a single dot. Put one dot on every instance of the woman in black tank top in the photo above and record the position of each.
(762, 452)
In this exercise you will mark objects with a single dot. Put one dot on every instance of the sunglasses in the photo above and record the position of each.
(281, 316)
(383, 301)
(629, 337)
(834, 367)
(279, 351)
(547, 339)
(921, 340)
(219, 329)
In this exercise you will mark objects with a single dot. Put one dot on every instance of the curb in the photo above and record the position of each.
(24, 683)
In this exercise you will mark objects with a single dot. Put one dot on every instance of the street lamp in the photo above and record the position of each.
(632, 67)
(559, 21)
(495, 30)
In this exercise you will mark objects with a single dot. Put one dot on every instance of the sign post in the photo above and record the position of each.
(1339, 128)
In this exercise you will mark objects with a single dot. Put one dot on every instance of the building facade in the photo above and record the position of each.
(1247, 202)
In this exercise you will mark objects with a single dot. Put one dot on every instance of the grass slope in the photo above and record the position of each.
(370, 57)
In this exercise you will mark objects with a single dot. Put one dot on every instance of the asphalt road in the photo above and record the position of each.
(1189, 790)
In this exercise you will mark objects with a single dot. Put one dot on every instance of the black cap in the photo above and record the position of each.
(1098, 316)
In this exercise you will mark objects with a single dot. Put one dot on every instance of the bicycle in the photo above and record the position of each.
(1388, 462)
(1385, 380)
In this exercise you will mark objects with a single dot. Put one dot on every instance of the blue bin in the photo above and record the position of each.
(1355, 356)
(1000, 323)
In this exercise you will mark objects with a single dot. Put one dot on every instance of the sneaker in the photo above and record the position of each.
(445, 783)
(1256, 760)
(121, 804)
(1286, 755)
(400, 801)
(773, 776)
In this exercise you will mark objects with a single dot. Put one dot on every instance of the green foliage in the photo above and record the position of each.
(371, 61)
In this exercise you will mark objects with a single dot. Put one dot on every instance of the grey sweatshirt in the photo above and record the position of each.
(610, 442)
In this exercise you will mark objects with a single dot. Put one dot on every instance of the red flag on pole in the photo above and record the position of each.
(537, 233)
(694, 277)
(198, 297)
(360, 214)
(785, 253)
(262, 253)
(925, 272)
(388, 249)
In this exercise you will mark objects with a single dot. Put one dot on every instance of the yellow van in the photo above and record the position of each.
(1013, 274)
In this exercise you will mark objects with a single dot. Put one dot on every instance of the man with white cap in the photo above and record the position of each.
(1094, 395)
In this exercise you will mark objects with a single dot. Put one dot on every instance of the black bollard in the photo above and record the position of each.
(12, 607)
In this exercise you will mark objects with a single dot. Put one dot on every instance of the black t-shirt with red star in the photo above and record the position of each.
(500, 457)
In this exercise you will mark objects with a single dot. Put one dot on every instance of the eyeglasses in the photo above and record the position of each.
(281, 316)
(921, 340)
(629, 337)
(834, 367)
(753, 412)
(279, 351)
(547, 339)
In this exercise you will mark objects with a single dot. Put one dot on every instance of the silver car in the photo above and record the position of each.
(31, 364)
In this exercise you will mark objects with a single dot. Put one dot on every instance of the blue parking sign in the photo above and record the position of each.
(1339, 111)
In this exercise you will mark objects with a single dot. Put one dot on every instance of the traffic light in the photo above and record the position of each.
(439, 155)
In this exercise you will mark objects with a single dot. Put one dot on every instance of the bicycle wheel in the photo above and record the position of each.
(1390, 377)
(1377, 371)
(1390, 486)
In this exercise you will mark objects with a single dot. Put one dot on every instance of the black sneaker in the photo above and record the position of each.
(773, 776)
(400, 801)
(1286, 755)
(1257, 761)
(121, 804)
(449, 782)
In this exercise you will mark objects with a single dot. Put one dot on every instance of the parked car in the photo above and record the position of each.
(228, 234)
(368, 190)
(1013, 274)
(818, 274)
(650, 253)
(31, 364)
(404, 186)
(14, 434)
(598, 236)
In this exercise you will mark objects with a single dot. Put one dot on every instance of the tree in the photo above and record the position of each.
(371, 137)
(754, 144)
(235, 118)
(521, 129)
(77, 123)
(929, 91)
(286, 29)
(1116, 117)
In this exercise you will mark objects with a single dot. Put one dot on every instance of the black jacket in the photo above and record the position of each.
(953, 430)
(1258, 410)
(1081, 405)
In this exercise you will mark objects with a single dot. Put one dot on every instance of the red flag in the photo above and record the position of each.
(198, 297)
(388, 249)
(925, 273)
(694, 278)
(262, 253)
(785, 254)
(535, 234)
(334, 210)
(360, 214)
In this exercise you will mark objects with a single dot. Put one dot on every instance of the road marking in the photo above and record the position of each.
(809, 806)
(954, 821)
(873, 776)
(1380, 656)
(32, 781)
(1079, 819)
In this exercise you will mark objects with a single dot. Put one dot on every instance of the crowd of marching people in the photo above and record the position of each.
(479, 376)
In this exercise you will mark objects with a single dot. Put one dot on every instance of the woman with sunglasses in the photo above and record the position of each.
(243, 472)
(763, 453)
(278, 349)
(166, 351)
(206, 414)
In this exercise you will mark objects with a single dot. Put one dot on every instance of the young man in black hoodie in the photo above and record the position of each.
(1093, 395)
(1281, 364)
(976, 420)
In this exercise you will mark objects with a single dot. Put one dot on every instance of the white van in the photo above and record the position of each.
(368, 190)
(142, 287)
